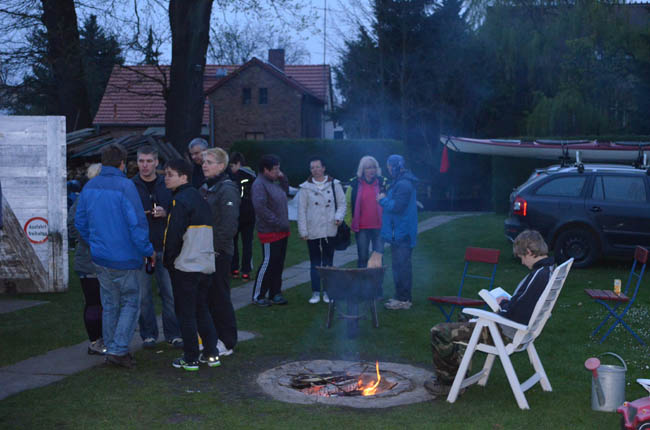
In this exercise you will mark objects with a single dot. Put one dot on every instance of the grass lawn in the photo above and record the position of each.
(157, 395)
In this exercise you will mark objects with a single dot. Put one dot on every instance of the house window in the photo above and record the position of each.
(264, 96)
(253, 135)
(246, 96)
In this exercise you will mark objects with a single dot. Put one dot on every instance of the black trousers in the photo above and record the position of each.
(191, 290)
(269, 274)
(246, 233)
(92, 307)
(221, 309)
(321, 253)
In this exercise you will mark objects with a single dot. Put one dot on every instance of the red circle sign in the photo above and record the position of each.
(36, 230)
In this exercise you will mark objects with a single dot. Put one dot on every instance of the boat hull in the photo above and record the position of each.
(591, 151)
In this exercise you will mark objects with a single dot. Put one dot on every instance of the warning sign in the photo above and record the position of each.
(36, 230)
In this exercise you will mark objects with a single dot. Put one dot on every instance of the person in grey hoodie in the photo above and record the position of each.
(269, 194)
(222, 195)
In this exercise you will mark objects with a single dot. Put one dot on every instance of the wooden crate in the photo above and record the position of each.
(34, 245)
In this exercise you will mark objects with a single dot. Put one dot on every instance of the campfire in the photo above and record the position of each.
(342, 383)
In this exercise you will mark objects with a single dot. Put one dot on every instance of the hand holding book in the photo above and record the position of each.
(494, 297)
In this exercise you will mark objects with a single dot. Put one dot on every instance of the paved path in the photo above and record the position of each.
(57, 364)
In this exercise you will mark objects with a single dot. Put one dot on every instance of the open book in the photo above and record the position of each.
(491, 297)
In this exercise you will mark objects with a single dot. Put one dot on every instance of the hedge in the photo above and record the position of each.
(341, 156)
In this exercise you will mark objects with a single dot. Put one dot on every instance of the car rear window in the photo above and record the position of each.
(566, 186)
(619, 188)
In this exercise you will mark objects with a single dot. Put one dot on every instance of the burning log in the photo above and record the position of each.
(341, 383)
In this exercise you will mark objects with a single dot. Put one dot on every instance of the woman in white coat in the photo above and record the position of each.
(319, 218)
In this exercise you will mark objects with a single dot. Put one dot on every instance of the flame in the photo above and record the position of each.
(372, 388)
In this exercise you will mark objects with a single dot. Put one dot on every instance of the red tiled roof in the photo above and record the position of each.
(133, 95)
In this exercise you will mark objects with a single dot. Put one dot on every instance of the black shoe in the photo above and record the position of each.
(190, 366)
(436, 389)
(125, 360)
(210, 360)
(279, 300)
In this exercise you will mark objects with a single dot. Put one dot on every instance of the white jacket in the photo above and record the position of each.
(316, 217)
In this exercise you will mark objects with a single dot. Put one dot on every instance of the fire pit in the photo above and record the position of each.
(354, 286)
(346, 383)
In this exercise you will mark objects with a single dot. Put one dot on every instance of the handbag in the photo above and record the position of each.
(342, 238)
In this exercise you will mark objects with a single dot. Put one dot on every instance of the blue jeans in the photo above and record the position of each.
(148, 323)
(120, 294)
(402, 272)
(366, 237)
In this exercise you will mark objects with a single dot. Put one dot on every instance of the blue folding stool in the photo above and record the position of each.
(472, 255)
(612, 301)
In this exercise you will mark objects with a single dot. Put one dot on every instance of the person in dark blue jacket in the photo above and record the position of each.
(110, 218)
(156, 200)
(400, 228)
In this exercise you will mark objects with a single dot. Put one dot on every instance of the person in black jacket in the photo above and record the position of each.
(222, 195)
(189, 257)
(531, 249)
(156, 199)
(244, 178)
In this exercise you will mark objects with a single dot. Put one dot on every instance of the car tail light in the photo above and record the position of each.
(520, 206)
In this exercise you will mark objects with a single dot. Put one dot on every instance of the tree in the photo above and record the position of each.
(99, 54)
(38, 93)
(190, 25)
(236, 44)
(151, 51)
(64, 56)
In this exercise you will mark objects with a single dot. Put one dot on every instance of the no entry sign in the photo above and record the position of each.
(36, 230)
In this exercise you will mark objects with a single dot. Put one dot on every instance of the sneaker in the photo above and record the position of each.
(125, 360)
(191, 366)
(97, 347)
(149, 343)
(436, 388)
(176, 342)
(223, 350)
(245, 276)
(326, 298)
(235, 274)
(210, 360)
(398, 305)
(315, 298)
(279, 300)
(263, 302)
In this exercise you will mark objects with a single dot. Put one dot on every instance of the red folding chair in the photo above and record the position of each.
(472, 255)
(612, 301)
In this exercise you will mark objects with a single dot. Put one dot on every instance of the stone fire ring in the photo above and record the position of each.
(276, 382)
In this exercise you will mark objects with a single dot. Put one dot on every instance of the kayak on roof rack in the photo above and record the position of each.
(589, 150)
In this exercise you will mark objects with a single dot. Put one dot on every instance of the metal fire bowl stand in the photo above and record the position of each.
(354, 286)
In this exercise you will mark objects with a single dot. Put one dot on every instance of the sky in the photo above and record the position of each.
(342, 20)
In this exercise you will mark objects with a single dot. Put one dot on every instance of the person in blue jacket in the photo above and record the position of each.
(110, 219)
(400, 228)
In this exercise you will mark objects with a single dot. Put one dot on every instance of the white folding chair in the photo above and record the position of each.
(523, 340)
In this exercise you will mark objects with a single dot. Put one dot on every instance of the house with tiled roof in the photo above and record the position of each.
(256, 100)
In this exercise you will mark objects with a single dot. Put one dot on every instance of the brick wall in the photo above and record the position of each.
(279, 118)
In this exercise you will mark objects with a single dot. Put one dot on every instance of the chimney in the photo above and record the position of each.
(276, 57)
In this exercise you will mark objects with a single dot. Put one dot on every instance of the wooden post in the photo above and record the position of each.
(34, 248)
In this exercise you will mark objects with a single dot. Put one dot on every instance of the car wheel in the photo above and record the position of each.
(645, 426)
(579, 244)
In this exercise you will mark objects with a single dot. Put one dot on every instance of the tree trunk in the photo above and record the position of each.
(190, 25)
(64, 54)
